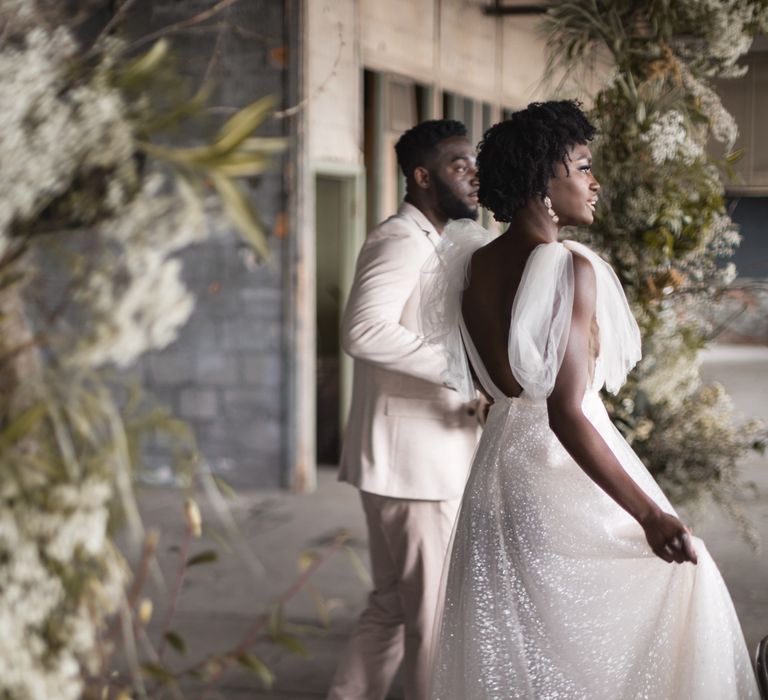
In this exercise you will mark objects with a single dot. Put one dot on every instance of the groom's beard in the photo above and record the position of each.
(450, 205)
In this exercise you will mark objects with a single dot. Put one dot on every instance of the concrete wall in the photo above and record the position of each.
(746, 98)
(448, 44)
(452, 45)
(226, 374)
(332, 82)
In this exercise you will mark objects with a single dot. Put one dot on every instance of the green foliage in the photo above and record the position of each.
(272, 628)
(206, 557)
(254, 664)
(176, 642)
(232, 154)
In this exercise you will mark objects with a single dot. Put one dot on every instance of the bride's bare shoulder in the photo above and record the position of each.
(478, 264)
(493, 255)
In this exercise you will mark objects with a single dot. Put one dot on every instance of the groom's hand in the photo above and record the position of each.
(483, 404)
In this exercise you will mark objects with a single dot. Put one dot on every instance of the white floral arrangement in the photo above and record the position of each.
(714, 34)
(663, 223)
(670, 140)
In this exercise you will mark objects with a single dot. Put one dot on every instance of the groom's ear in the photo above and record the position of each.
(421, 177)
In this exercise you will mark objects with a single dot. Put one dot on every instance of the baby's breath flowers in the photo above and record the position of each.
(669, 139)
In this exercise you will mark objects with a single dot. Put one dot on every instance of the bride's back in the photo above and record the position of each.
(495, 273)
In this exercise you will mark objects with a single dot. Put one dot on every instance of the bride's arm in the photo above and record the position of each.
(666, 534)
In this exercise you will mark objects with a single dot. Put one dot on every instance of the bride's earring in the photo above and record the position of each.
(548, 204)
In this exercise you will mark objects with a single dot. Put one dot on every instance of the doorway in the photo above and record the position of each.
(338, 237)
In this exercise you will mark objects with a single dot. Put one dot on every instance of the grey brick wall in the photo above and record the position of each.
(225, 375)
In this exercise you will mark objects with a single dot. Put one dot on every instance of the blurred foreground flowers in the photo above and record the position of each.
(91, 215)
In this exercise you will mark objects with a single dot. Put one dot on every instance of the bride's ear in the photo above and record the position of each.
(421, 177)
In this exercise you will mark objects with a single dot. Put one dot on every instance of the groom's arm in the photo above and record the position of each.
(388, 271)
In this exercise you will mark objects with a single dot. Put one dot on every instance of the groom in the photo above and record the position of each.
(409, 440)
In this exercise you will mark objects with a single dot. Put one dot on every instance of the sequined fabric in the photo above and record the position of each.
(552, 592)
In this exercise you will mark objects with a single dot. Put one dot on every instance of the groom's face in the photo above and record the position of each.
(453, 175)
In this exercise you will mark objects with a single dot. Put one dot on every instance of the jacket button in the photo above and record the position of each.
(470, 411)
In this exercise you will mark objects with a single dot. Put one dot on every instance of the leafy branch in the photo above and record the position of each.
(233, 153)
(270, 627)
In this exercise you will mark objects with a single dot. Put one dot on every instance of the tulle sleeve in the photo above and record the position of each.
(620, 346)
(541, 319)
(443, 280)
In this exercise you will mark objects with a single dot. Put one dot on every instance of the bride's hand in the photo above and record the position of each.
(669, 538)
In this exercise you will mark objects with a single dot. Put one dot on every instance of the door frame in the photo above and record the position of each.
(353, 236)
(302, 475)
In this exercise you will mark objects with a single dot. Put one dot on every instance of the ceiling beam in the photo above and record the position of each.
(499, 8)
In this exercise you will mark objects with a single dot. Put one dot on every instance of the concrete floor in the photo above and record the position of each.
(221, 600)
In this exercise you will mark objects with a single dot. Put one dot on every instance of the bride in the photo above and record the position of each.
(569, 576)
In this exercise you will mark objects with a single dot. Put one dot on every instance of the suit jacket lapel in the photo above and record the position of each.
(430, 232)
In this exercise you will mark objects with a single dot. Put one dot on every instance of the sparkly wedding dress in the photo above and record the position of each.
(552, 591)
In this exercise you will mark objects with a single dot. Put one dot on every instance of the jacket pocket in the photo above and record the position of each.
(404, 407)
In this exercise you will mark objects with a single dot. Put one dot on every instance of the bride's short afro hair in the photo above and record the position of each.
(414, 146)
(516, 157)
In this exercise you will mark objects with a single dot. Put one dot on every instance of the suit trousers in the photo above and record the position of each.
(408, 542)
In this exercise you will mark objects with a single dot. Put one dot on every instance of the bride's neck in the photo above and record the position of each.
(533, 225)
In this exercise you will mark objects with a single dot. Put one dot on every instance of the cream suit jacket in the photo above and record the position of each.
(408, 436)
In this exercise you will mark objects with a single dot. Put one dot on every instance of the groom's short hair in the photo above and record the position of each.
(416, 144)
